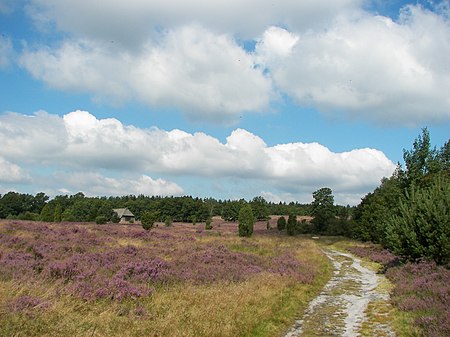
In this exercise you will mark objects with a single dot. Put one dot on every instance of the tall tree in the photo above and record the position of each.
(291, 224)
(422, 228)
(322, 208)
(259, 208)
(246, 221)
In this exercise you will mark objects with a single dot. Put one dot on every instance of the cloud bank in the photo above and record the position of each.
(103, 157)
(332, 56)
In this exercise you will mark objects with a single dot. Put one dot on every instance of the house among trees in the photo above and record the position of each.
(124, 215)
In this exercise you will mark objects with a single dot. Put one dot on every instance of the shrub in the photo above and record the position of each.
(246, 221)
(101, 220)
(115, 218)
(291, 224)
(281, 223)
(148, 219)
(208, 223)
(422, 229)
(168, 221)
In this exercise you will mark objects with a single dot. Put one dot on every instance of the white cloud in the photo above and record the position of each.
(95, 184)
(207, 75)
(331, 56)
(367, 67)
(79, 141)
(12, 173)
(131, 22)
(275, 45)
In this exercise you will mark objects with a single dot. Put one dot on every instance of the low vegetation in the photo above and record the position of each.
(121, 280)
(420, 292)
(219, 277)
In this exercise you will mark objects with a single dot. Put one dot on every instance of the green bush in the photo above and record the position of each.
(101, 220)
(148, 219)
(291, 224)
(115, 218)
(281, 223)
(208, 223)
(246, 221)
(422, 228)
(168, 221)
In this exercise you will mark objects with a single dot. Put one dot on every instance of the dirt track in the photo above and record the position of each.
(351, 304)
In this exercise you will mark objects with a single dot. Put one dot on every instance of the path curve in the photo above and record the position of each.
(341, 309)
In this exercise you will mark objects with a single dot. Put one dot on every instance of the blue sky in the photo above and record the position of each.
(128, 97)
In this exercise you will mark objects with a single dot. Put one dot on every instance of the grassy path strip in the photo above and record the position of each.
(348, 303)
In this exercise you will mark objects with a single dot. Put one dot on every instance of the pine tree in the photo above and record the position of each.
(246, 221)
(291, 224)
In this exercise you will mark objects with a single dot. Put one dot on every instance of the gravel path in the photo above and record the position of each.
(351, 304)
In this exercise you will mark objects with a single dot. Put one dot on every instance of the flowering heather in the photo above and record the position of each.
(424, 289)
(375, 253)
(124, 261)
(26, 304)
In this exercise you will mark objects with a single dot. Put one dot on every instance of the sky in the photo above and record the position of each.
(227, 99)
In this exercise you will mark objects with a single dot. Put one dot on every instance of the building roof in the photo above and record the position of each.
(121, 212)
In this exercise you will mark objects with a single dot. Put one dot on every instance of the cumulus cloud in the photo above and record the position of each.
(332, 56)
(99, 185)
(367, 67)
(79, 141)
(207, 75)
(132, 21)
(12, 173)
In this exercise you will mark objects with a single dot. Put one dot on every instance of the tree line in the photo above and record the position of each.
(408, 213)
(80, 208)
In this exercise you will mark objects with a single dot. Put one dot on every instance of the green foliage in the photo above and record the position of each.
(29, 216)
(322, 209)
(168, 221)
(101, 220)
(148, 219)
(246, 221)
(408, 213)
(281, 223)
(193, 219)
(291, 224)
(13, 203)
(47, 213)
(57, 214)
(376, 207)
(303, 227)
(259, 208)
(422, 228)
(115, 218)
(208, 224)
(230, 209)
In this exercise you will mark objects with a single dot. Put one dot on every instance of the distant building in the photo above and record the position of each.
(124, 215)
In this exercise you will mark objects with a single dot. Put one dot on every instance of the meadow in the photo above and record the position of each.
(60, 279)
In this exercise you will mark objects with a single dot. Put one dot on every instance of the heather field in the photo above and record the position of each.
(120, 280)
(421, 292)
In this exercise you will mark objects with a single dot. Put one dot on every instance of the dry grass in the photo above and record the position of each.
(264, 304)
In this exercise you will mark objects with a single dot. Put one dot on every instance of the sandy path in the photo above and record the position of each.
(348, 303)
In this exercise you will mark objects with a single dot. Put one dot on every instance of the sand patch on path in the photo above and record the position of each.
(348, 302)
